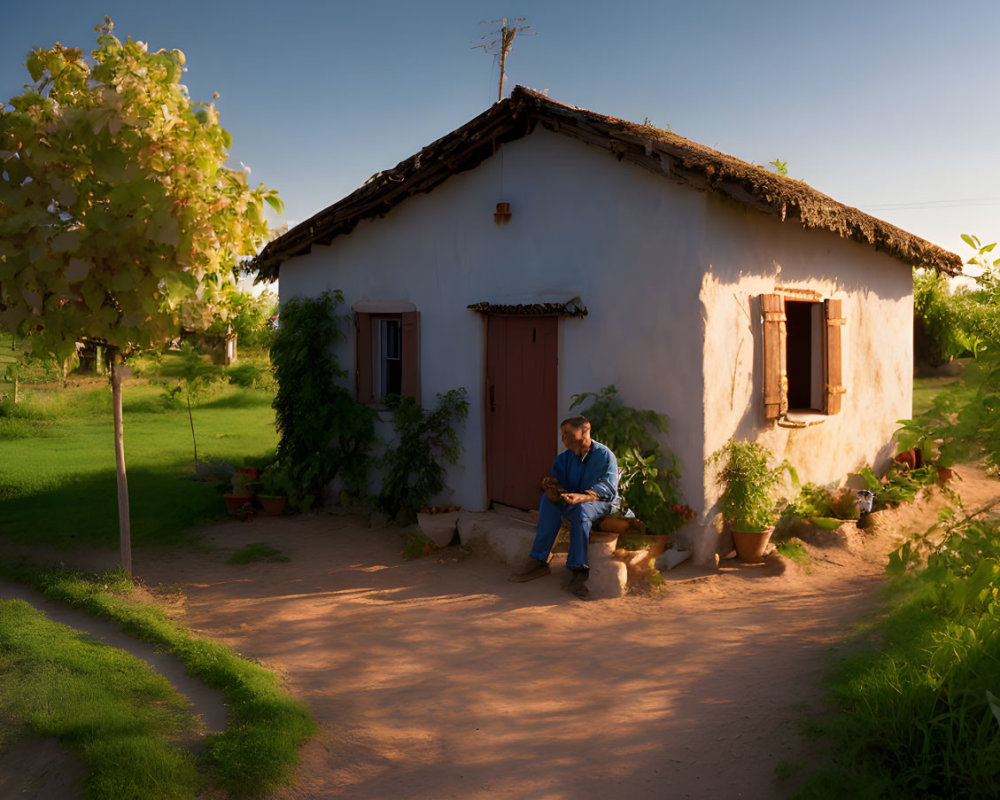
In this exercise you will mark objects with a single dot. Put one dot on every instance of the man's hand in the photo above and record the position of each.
(575, 498)
(553, 490)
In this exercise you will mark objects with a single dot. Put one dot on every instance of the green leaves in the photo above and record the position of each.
(414, 466)
(324, 432)
(112, 166)
(748, 483)
(647, 469)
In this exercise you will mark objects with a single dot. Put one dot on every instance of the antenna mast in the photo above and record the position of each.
(501, 42)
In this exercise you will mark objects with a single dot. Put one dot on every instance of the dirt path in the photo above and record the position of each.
(439, 679)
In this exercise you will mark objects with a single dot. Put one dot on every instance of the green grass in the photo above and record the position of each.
(915, 718)
(795, 551)
(926, 389)
(259, 749)
(121, 718)
(57, 477)
(258, 551)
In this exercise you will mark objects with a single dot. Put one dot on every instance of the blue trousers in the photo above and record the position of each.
(581, 517)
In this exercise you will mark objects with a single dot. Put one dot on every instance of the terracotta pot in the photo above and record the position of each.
(614, 525)
(235, 502)
(272, 505)
(750, 545)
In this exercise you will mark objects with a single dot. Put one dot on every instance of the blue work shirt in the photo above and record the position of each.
(596, 472)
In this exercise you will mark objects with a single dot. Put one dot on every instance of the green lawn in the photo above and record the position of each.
(57, 486)
(57, 474)
(926, 389)
(121, 718)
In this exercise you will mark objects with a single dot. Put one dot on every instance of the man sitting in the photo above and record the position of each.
(582, 488)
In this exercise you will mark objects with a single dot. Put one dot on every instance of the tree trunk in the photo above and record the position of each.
(124, 524)
(194, 439)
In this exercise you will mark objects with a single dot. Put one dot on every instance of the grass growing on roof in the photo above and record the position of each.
(259, 749)
(120, 717)
(57, 477)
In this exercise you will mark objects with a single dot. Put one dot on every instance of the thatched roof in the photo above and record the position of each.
(663, 152)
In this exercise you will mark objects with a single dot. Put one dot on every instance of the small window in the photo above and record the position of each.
(802, 355)
(388, 354)
(387, 357)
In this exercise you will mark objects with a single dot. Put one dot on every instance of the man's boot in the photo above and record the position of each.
(536, 569)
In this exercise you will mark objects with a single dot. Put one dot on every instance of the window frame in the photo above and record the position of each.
(775, 350)
(365, 382)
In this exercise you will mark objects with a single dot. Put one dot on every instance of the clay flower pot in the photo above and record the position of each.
(439, 528)
(272, 505)
(614, 525)
(750, 545)
(235, 502)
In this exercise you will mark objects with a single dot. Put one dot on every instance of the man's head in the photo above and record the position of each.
(575, 433)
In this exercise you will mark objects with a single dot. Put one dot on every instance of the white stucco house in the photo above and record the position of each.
(541, 251)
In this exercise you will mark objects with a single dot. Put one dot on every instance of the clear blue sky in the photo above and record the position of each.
(887, 105)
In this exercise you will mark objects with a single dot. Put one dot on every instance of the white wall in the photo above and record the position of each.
(667, 274)
(748, 254)
(621, 238)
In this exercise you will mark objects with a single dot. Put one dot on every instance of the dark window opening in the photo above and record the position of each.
(390, 366)
(803, 354)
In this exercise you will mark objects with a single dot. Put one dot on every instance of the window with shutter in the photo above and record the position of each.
(775, 377)
(387, 355)
(802, 355)
(833, 367)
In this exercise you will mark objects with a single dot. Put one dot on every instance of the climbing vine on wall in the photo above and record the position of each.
(324, 432)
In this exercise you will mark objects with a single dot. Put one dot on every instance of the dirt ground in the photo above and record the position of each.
(437, 678)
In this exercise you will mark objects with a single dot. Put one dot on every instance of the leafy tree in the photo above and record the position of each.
(250, 318)
(118, 219)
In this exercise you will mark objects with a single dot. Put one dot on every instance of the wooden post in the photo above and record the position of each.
(124, 523)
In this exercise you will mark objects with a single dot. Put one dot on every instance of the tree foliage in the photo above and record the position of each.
(960, 321)
(118, 219)
(324, 431)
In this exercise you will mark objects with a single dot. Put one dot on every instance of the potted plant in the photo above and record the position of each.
(747, 501)
(242, 494)
(275, 486)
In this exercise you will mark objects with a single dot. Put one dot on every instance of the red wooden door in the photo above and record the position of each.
(521, 407)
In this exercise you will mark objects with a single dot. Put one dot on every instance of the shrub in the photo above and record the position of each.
(425, 441)
(747, 499)
(648, 473)
(845, 503)
(324, 432)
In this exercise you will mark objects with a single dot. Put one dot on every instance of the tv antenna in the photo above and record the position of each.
(501, 41)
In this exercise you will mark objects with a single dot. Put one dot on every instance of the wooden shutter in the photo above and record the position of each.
(363, 358)
(411, 354)
(775, 368)
(833, 372)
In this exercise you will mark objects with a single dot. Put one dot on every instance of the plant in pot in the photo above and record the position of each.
(747, 501)
(242, 494)
(275, 487)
